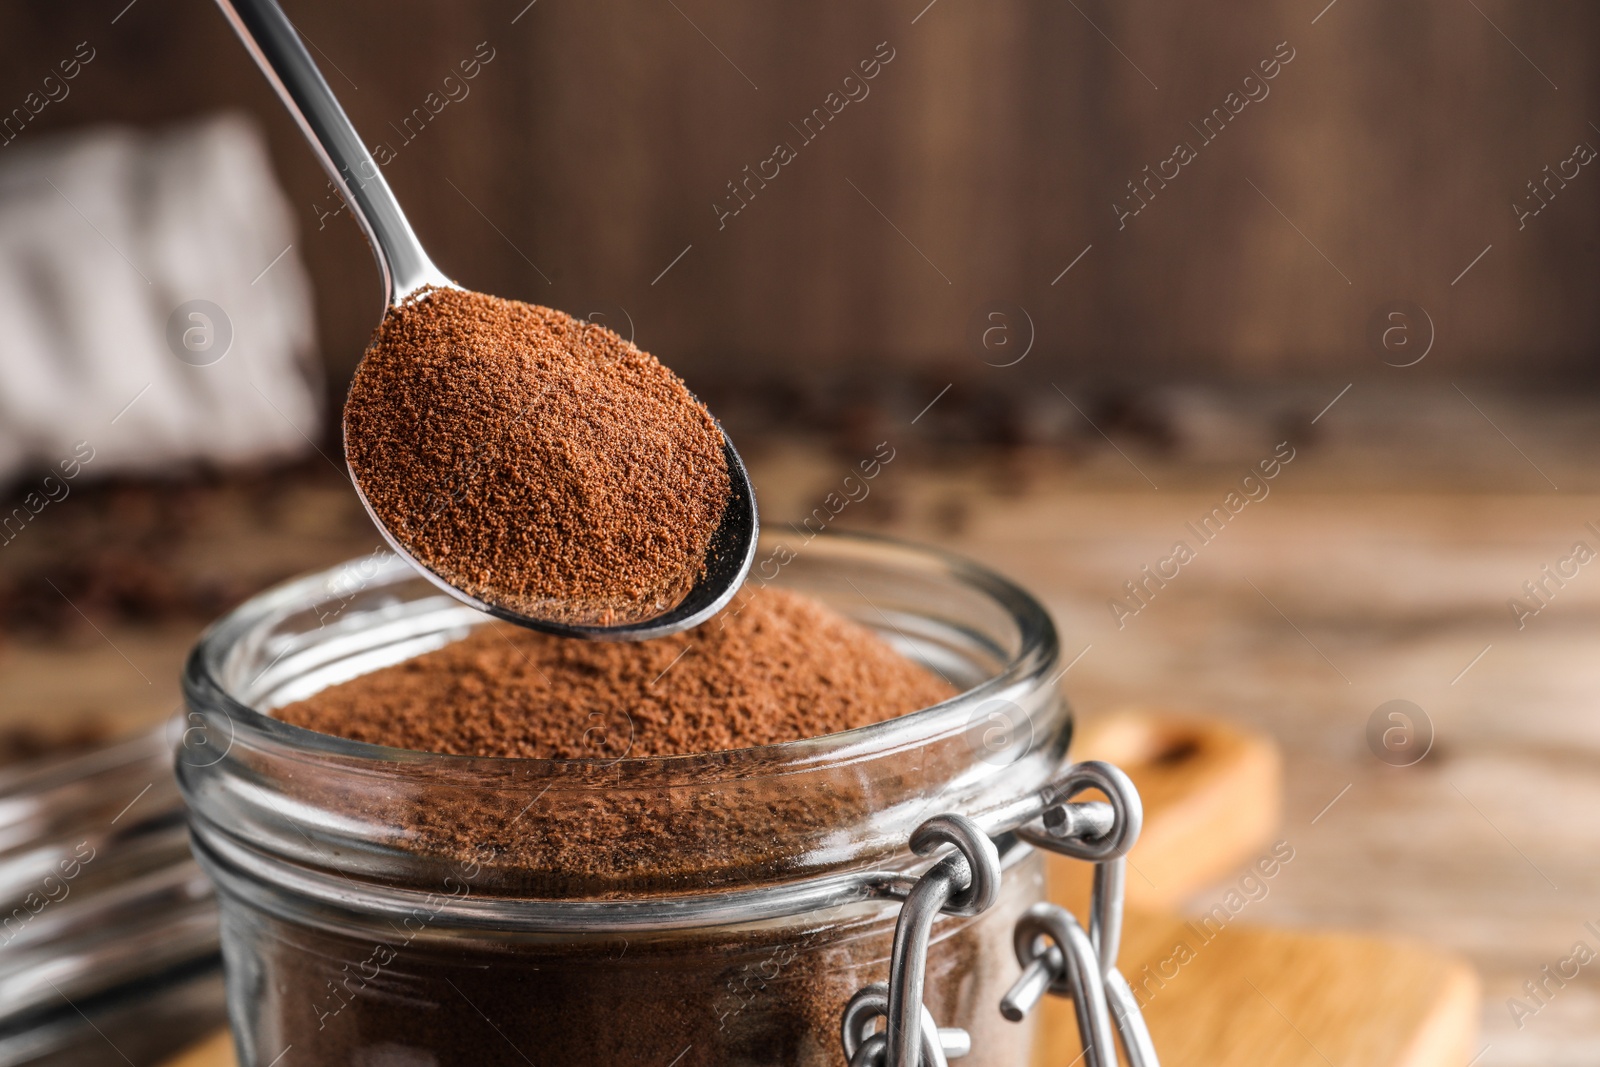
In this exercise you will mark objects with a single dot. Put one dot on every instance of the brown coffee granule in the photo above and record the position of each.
(767, 993)
(773, 667)
(533, 460)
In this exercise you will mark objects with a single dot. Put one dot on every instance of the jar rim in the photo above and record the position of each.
(1037, 652)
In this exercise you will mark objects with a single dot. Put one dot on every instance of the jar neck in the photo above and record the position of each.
(270, 883)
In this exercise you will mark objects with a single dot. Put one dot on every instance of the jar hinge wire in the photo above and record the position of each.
(1057, 955)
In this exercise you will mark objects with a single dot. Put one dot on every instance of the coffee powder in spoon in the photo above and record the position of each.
(535, 461)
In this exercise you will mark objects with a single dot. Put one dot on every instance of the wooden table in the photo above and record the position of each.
(1378, 568)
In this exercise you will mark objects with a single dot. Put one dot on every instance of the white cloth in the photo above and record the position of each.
(103, 234)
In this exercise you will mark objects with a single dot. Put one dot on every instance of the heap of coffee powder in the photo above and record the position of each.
(773, 667)
(533, 460)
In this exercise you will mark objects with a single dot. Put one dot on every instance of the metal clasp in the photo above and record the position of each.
(966, 882)
(1057, 955)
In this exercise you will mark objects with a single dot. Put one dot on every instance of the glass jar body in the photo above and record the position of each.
(373, 992)
(397, 908)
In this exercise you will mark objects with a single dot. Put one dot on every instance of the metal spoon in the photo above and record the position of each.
(406, 268)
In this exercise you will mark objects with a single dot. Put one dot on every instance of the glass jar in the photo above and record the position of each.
(389, 907)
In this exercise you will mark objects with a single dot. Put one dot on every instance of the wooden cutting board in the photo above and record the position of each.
(1218, 992)
(1235, 994)
(1282, 998)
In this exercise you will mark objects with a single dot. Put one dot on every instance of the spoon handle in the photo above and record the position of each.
(275, 44)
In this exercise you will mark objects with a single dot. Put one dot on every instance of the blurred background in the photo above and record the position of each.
(1082, 266)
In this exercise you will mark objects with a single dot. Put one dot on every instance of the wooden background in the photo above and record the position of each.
(987, 156)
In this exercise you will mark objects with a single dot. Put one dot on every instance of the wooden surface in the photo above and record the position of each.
(1280, 998)
(1383, 557)
(1379, 568)
(1216, 989)
(215, 1051)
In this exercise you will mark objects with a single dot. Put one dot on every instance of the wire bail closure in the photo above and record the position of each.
(1058, 956)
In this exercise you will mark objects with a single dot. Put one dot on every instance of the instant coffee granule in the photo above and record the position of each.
(770, 994)
(535, 461)
(773, 667)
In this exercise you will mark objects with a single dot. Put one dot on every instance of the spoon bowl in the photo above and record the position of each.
(406, 269)
(728, 560)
